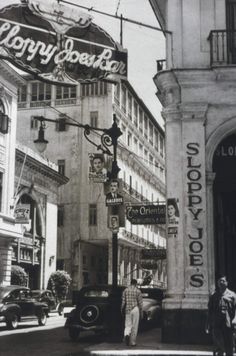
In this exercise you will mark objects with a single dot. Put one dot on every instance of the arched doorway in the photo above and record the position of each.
(27, 252)
(224, 190)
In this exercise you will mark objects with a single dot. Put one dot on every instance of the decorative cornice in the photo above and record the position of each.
(194, 111)
(37, 166)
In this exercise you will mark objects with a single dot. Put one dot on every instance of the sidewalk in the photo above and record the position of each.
(149, 343)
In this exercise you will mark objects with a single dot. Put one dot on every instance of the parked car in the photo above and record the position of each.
(17, 304)
(45, 296)
(98, 306)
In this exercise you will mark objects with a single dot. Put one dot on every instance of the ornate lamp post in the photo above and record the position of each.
(109, 138)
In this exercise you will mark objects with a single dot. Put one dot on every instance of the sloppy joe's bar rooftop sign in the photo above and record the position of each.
(58, 44)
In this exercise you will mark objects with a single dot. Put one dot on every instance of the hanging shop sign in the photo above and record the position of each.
(149, 264)
(58, 44)
(22, 214)
(146, 214)
(153, 253)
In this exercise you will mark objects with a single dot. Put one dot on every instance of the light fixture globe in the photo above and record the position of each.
(41, 143)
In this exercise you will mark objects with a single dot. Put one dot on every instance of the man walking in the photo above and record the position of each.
(222, 318)
(132, 302)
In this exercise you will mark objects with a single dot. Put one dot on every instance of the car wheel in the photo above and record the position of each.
(12, 321)
(42, 318)
(73, 333)
(89, 314)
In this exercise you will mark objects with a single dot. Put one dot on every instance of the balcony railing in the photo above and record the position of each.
(222, 47)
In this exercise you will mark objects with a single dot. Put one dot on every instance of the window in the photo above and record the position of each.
(135, 114)
(145, 156)
(61, 166)
(92, 214)
(145, 126)
(129, 139)
(22, 94)
(40, 91)
(1, 189)
(162, 146)
(117, 93)
(141, 120)
(151, 162)
(135, 145)
(141, 150)
(33, 123)
(156, 140)
(60, 215)
(130, 184)
(65, 92)
(123, 99)
(130, 106)
(94, 118)
(61, 123)
(151, 133)
(98, 88)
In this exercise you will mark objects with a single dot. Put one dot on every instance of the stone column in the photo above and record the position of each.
(175, 243)
(187, 249)
(5, 263)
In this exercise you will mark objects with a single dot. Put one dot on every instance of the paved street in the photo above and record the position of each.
(53, 340)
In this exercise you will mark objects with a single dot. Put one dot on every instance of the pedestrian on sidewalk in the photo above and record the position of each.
(132, 305)
(222, 318)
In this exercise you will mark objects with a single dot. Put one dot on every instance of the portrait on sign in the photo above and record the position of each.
(97, 169)
(114, 222)
(114, 196)
(172, 211)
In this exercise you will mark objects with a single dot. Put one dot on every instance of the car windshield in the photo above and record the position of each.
(35, 294)
(96, 293)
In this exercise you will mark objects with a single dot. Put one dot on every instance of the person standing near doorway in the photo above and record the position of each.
(222, 318)
(132, 304)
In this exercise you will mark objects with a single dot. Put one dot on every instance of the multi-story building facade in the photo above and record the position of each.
(9, 232)
(197, 91)
(84, 239)
(36, 188)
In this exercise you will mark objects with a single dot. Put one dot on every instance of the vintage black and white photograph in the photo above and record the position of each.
(117, 177)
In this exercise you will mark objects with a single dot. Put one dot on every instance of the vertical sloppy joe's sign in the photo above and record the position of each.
(58, 44)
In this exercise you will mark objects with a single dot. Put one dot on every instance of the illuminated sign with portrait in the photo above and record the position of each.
(58, 44)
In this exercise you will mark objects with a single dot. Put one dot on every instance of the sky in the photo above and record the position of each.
(145, 46)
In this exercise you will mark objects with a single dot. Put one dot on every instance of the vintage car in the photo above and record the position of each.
(98, 306)
(45, 296)
(17, 304)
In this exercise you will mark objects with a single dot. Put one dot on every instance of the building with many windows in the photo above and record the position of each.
(84, 236)
(197, 90)
(36, 188)
(9, 232)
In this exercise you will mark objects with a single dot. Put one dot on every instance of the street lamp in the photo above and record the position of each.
(108, 138)
(41, 143)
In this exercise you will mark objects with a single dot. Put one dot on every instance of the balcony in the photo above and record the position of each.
(222, 47)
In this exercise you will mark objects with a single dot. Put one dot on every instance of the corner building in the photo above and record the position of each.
(196, 85)
(84, 239)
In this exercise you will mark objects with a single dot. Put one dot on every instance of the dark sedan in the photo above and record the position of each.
(45, 296)
(98, 306)
(17, 304)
